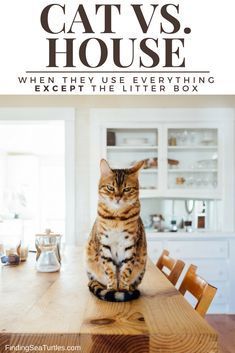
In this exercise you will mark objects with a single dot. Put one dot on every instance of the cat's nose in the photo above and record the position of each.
(118, 198)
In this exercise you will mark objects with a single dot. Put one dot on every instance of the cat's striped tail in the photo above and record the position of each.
(111, 295)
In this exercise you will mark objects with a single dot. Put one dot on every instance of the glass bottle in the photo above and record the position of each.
(48, 251)
(174, 226)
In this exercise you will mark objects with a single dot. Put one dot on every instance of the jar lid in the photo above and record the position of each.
(48, 233)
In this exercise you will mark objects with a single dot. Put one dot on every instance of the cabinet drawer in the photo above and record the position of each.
(212, 270)
(154, 250)
(198, 249)
(221, 296)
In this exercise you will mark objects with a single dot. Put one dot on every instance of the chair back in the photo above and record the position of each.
(199, 288)
(175, 266)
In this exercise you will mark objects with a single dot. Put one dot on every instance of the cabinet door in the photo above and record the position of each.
(199, 249)
(155, 249)
(193, 161)
(126, 145)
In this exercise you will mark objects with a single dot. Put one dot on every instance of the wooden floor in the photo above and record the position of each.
(225, 326)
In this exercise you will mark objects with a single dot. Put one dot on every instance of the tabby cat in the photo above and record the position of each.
(116, 249)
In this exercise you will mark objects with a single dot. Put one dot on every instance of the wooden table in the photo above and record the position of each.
(58, 309)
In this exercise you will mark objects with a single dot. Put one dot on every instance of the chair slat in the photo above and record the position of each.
(175, 266)
(199, 288)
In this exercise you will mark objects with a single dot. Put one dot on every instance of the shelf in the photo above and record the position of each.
(132, 148)
(193, 189)
(149, 171)
(180, 193)
(185, 148)
(148, 193)
(193, 193)
(192, 170)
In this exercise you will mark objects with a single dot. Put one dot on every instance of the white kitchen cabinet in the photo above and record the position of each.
(155, 249)
(198, 149)
(183, 160)
(212, 254)
(123, 146)
(200, 140)
(199, 249)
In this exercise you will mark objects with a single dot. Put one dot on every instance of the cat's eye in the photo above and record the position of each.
(127, 189)
(110, 188)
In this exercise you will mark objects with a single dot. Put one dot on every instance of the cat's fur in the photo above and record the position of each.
(116, 249)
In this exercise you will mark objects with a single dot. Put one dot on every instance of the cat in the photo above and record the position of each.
(116, 251)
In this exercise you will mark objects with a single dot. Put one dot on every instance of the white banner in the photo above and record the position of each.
(126, 47)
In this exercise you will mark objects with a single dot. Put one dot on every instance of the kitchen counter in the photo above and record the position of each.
(181, 235)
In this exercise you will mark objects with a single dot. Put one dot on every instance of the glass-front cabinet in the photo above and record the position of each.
(188, 177)
(126, 146)
(193, 162)
(181, 161)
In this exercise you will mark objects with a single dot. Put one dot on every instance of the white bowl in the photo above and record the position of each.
(135, 141)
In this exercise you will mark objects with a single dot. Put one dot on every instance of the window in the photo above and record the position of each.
(32, 179)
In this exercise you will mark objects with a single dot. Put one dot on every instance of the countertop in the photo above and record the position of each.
(181, 235)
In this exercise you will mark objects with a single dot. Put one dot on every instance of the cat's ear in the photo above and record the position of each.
(104, 167)
(137, 167)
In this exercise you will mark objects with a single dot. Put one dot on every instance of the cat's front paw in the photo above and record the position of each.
(124, 286)
(112, 286)
(132, 288)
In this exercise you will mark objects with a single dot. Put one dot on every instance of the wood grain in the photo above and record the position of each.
(57, 308)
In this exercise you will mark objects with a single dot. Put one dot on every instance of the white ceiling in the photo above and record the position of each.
(40, 138)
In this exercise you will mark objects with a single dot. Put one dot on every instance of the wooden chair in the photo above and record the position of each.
(175, 266)
(199, 288)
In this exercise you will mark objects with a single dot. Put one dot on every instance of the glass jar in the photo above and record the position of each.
(23, 251)
(172, 139)
(48, 251)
